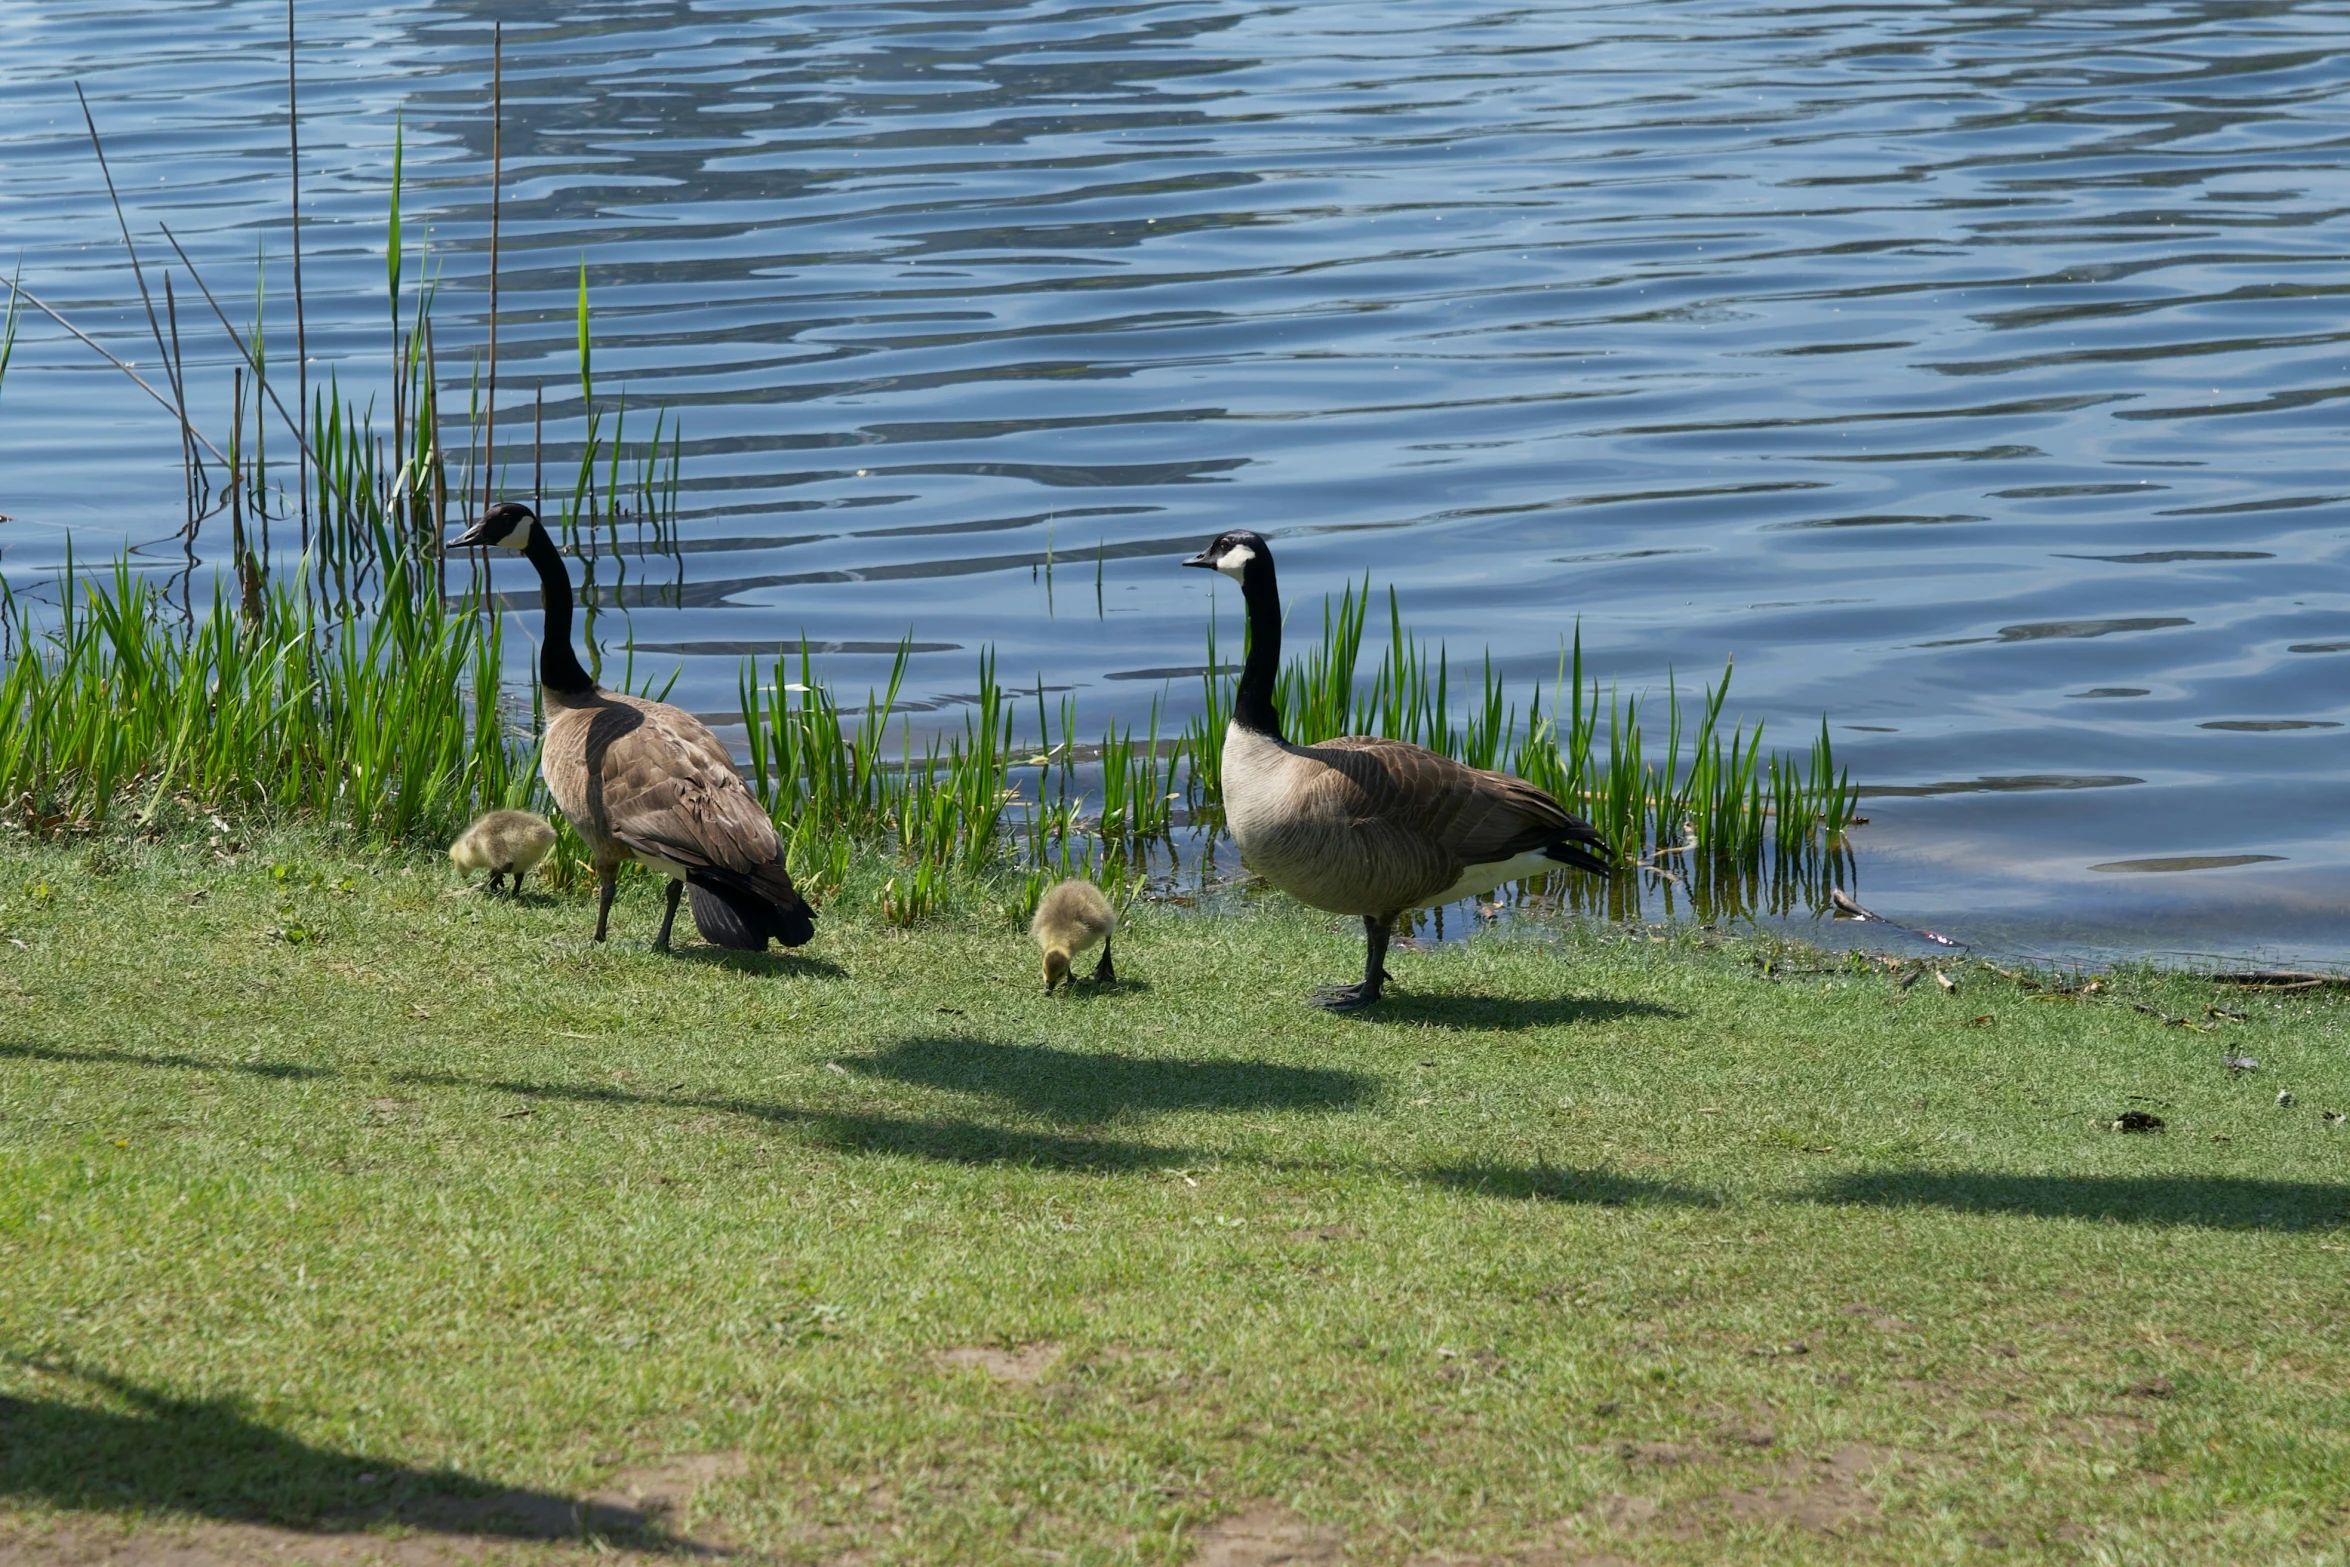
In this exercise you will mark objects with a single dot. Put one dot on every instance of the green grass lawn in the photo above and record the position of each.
(345, 1214)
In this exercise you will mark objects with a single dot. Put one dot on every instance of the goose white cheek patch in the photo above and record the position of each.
(1234, 561)
(519, 538)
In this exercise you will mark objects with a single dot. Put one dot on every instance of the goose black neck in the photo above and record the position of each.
(558, 666)
(1253, 706)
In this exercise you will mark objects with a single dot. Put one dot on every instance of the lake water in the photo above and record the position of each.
(1973, 374)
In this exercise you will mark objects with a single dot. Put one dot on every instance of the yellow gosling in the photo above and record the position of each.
(504, 843)
(1072, 917)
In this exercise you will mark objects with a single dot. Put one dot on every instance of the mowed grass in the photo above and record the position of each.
(439, 1224)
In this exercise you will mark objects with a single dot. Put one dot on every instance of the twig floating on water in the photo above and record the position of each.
(1843, 901)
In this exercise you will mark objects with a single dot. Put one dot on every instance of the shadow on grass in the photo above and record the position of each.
(207, 1456)
(277, 1069)
(975, 1142)
(779, 964)
(952, 1141)
(1079, 1085)
(2211, 1201)
(1071, 1084)
(1554, 1183)
(1498, 1014)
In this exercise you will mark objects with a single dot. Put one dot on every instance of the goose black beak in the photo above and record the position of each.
(478, 534)
(1205, 558)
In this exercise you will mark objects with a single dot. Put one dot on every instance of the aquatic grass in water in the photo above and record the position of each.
(395, 721)
(387, 724)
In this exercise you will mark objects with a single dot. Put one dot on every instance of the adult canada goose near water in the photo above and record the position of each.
(641, 780)
(1360, 825)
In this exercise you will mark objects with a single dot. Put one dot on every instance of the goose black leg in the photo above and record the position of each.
(1103, 974)
(669, 916)
(1352, 998)
(607, 883)
(497, 878)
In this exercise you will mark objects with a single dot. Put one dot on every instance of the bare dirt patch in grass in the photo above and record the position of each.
(1823, 1495)
(1819, 1494)
(661, 1492)
(1267, 1536)
(1024, 1365)
(81, 1542)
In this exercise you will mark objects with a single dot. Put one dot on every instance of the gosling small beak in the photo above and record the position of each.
(1206, 558)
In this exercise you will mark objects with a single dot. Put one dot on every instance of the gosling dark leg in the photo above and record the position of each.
(1103, 974)
(669, 916)
(497, 878)
(607, 883)
(1351, 998)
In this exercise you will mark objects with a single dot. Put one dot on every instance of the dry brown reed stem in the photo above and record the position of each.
(248, 580)
(439, 470)
(489, 410)
(301, 331)
(139, 275)
(99, 349)
(246, 353)
(171, 312)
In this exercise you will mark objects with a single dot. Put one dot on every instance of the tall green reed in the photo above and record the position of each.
(388, 724)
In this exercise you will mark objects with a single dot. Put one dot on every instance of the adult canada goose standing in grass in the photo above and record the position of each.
(504, 843)
(648, 782)
(1070, 919)
(1365, 826)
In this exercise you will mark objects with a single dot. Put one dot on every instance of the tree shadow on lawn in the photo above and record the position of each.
(1499, 1014)
(977, 1143)
(206, 1456)
(1556, 1183)
(1066, 1083)
(1079, 1085)
(65, 1056)
(2209, 1201)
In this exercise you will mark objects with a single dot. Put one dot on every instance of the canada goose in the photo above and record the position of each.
(1071, 918)
(504, 843)
(648, 782)
(1360, 825)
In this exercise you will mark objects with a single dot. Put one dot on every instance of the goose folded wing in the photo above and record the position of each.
(1479, 817)
(691, 810)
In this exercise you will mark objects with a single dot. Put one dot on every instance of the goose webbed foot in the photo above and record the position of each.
(1346, 998)
(1353, 998)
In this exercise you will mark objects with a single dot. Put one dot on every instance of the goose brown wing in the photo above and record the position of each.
(670, 792)
(1476, 816)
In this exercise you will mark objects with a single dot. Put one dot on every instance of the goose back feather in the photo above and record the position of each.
(1361, 825)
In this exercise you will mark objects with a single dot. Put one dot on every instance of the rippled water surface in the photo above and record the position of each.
(1972, 373)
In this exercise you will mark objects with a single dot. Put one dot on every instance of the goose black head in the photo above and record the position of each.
(508, 525)
(1234, 553)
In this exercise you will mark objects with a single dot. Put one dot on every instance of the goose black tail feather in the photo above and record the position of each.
(744, 912)
(1569, 853)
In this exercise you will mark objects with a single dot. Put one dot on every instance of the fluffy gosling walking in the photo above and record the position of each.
(504, 843)
(1070, 919)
